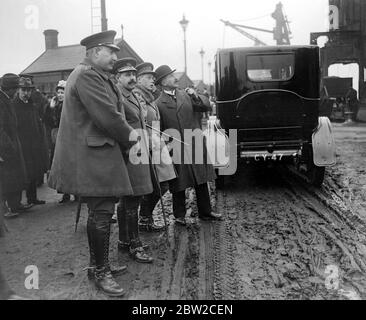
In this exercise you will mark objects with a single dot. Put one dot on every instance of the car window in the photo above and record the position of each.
(274, 67)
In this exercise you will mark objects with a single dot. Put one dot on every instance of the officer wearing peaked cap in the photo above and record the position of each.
(162, 161)
(125, 65)
(139, 173)
(91, 141)
(102, 39)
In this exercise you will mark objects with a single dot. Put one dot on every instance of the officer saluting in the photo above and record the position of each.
(88, 159)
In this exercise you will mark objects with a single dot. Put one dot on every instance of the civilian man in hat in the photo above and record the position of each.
(163, 166)
(92, 138)
(31, 138)
(13, 174)
(181, 110)
(40, 103)
(139, 173)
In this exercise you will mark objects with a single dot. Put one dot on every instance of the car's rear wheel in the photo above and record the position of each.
(315, 174)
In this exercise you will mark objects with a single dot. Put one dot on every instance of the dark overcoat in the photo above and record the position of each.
(180, 113)
(92, 137)
(140, 174)
(12, 174)
(31, 138)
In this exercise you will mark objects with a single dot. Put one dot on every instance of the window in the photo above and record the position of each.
(270, 67)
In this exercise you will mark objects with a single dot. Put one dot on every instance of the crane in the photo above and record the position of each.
(281, 32)
(238, 27)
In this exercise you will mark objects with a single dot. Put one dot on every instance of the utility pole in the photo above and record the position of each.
(104, 19)
(202, 53)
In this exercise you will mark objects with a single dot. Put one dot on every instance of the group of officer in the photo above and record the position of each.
(106, 106)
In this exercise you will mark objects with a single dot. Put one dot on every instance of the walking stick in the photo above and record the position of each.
(78, 211)
(161, 197)
(167, 135)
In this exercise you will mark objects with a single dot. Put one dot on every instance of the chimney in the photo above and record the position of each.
(51, 38)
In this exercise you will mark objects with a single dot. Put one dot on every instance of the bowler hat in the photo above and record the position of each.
(10, 81)
(25, 83)
(162, 72)
(101, 39)
(145, 68)
(124, 65)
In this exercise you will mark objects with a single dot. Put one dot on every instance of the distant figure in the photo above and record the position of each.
(13, 177)
(353, 102)
(31, 138)
(52, 121)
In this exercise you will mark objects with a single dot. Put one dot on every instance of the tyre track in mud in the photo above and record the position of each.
(286, 238)
(197, 262)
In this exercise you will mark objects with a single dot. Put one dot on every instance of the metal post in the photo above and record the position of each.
(184, 23)
(202, 53)
(104, 19)
(209, 77)
(185, 53)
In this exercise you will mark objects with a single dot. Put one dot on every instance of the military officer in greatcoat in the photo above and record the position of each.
(139, 171)
(162, 165)
(182, 110)
(92, 138)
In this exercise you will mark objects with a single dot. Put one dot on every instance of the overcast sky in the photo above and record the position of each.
(150, 27)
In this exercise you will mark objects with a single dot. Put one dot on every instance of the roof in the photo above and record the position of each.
(66, 58)
(59, 59)
(179, 74)
(197, 82)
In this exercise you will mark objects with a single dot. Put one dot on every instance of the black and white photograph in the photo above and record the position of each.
(193, 154)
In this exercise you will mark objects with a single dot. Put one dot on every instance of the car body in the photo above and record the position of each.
(271, 95)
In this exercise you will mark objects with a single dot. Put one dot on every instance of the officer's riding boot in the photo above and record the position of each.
(124, 239)
(103, 276)
(137, 250)
(90, 227)
(92, 264)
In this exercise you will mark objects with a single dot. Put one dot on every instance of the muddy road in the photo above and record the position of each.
(280, 239)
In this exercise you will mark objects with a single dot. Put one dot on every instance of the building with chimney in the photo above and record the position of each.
(57, 62)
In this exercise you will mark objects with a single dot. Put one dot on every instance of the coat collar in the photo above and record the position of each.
(96, 68)
(148, 96)
(180, 99)
(130, 97)
(165, 98)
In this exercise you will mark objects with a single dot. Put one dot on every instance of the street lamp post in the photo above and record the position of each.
(184, 23)
(209, 76)
(202, 53)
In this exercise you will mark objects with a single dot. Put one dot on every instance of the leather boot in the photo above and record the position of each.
(103, 276)
(90, 229)
(115, 270)
(147, 224)
(122, 224)
(136, 248)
